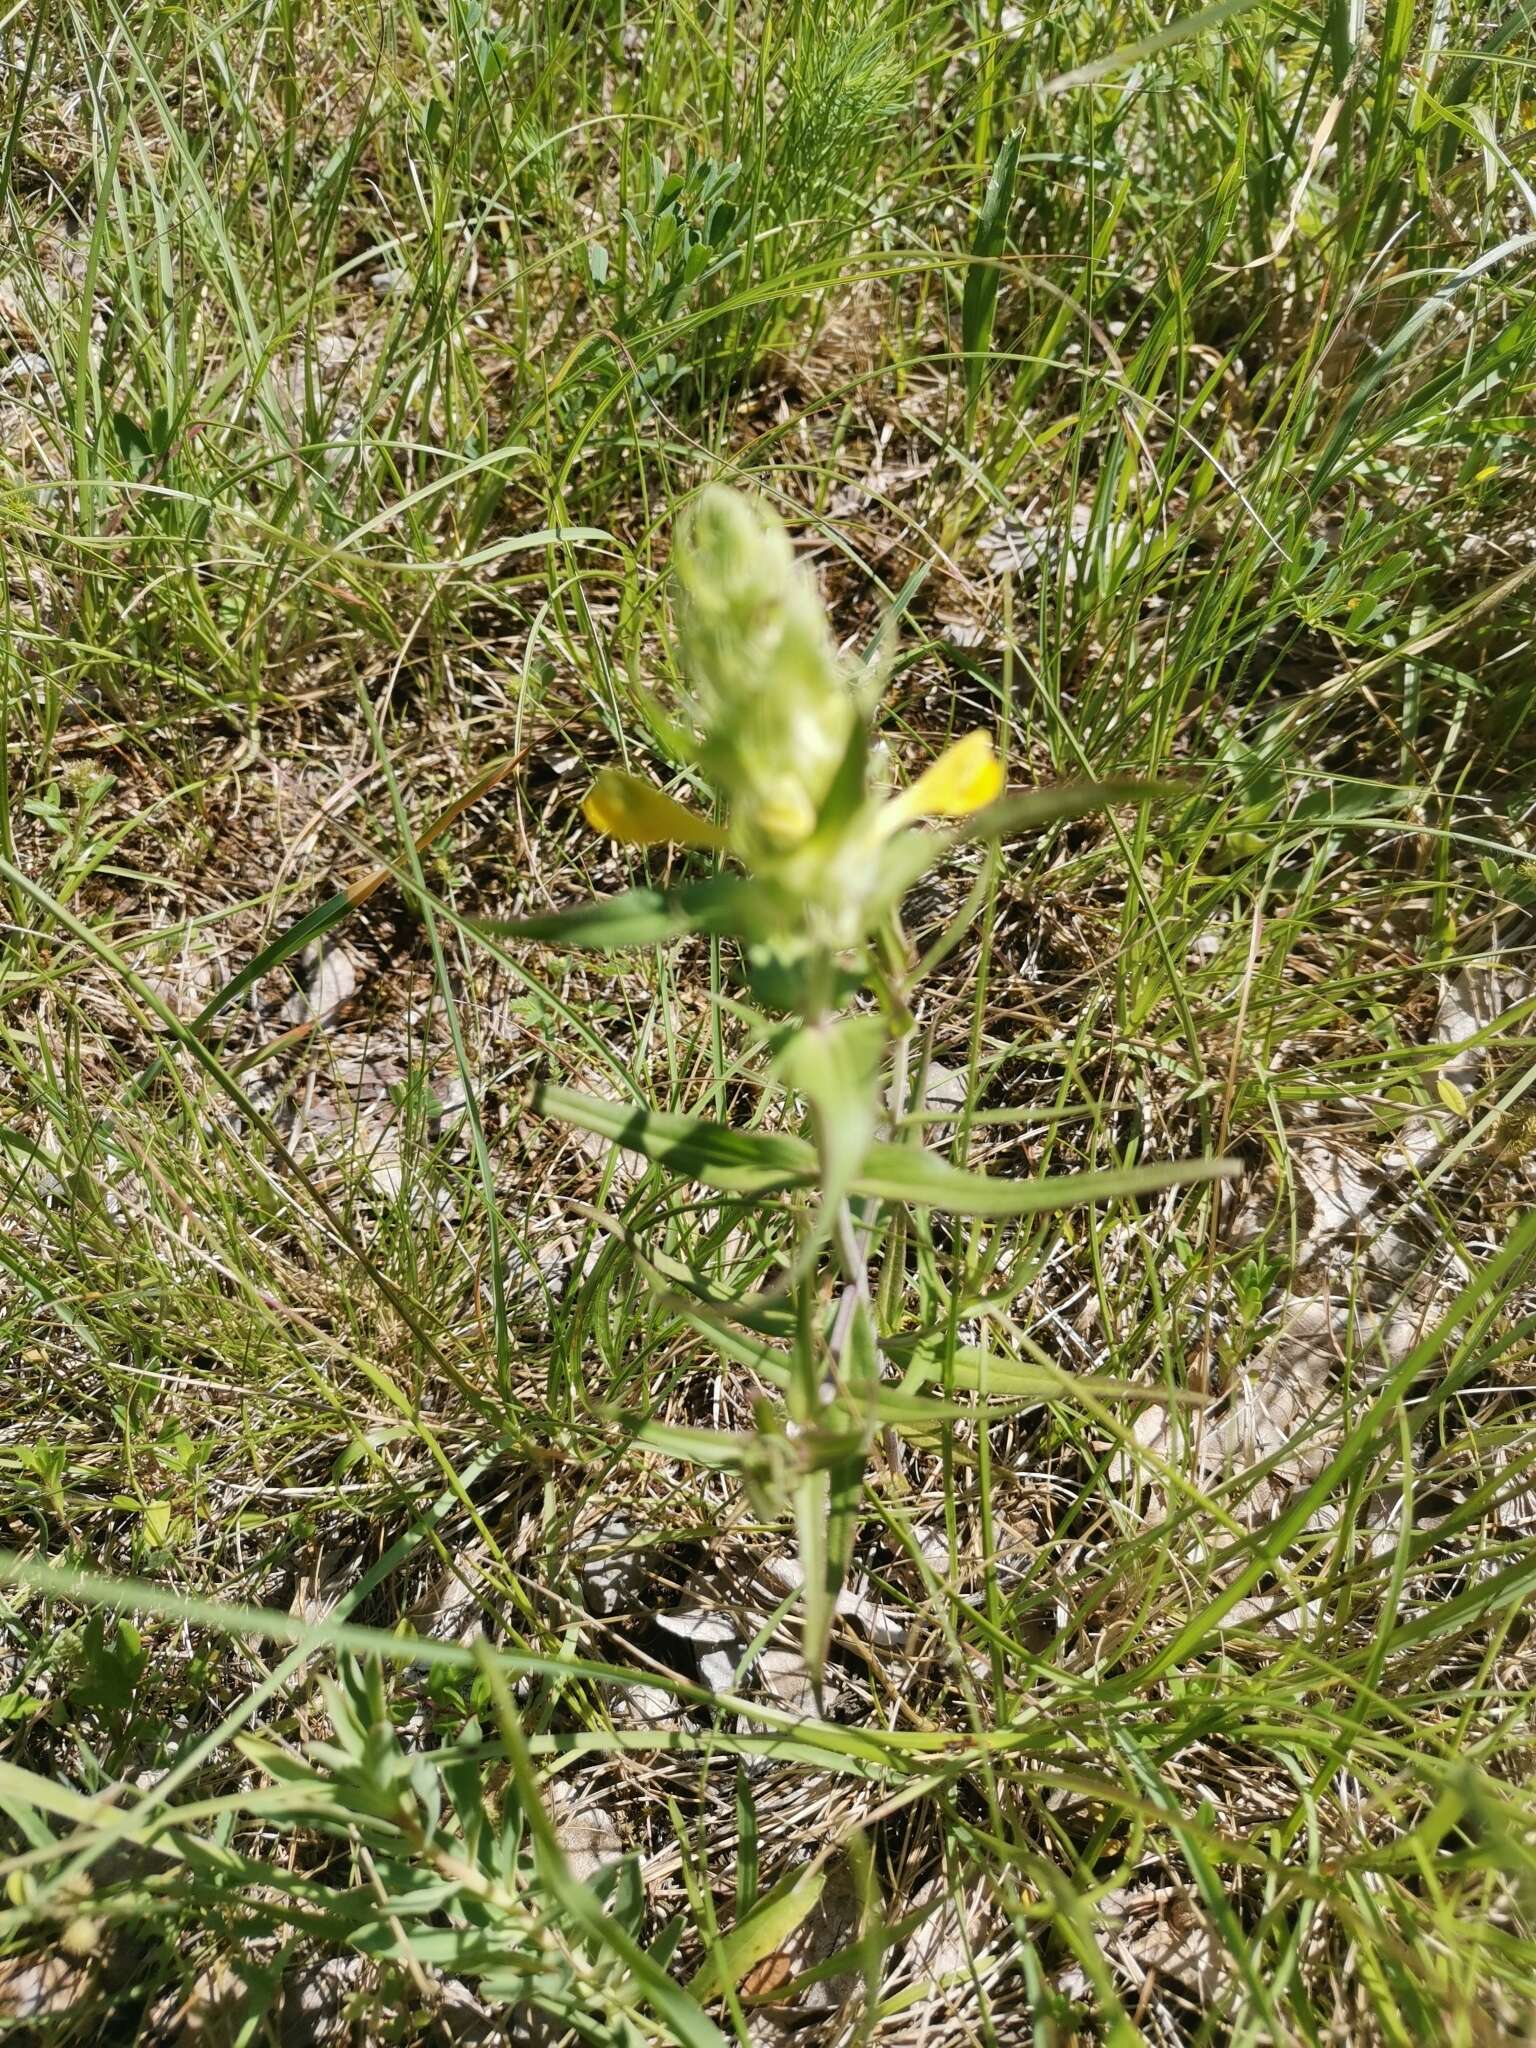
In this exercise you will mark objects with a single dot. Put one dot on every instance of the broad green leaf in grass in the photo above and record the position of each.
(848, 791)
(972, 1370)
(725, 905)
(979, 304)
(754, 1162)
(1031, 810)
(1451, 1095)
(735, 1162)
(761, 1934)
(788, 974)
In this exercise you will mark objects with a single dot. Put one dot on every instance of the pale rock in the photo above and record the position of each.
(614, 1575)
(716, 1641)
(37, 1987)
(27, 366)
(313, 2004)
(787, 1680)
(588, 1833)
(329, 980)
(886, 1629)
(704, 1627)
(718, 1669)
(939, 1099)
(645, 1706)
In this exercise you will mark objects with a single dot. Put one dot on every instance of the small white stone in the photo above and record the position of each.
(614, 1578)
(330, 979)
(589, 1835)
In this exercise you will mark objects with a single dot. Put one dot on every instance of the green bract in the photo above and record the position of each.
(773, 703)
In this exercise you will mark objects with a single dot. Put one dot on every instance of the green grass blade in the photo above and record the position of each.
(978, 307)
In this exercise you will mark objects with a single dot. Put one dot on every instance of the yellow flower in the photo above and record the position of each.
(965, 777)
(636, 813)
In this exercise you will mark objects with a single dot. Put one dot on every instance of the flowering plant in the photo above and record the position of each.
(784, 738)
(822, 848)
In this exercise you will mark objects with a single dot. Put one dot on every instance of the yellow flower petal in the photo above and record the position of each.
(637, 813)
(964, 778)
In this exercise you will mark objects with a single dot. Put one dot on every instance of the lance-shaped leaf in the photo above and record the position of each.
(725, 905)
(735, 1162)
(1031, 810)
(761, 1934)
(979, 304)
(755, 1162)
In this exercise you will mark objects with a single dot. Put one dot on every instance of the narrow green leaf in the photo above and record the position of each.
(1179, 31)
(753, 1162)
(761, 1934)
(904, 1173)
(735, 1162)
(638, 917)
(978, 308)
(725, 905)
(304, 932)
(20, 1788)
(1030, 810)
(715, 1450)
